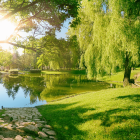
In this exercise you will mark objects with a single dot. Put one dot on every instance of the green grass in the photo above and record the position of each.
(112, 114)
(118, 77)
(83, 72)
(2, 112)
(54, 72)
(138, 79)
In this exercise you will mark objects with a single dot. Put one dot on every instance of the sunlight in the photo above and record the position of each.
(6, 29)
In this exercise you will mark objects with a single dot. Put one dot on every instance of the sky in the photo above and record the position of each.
(64, 29)
(60, 34)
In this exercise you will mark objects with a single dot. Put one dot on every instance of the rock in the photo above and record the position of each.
(51, 132)
(1, 137)
(29, 117)
(45, 130)
(9, 126)
(13, 121)
(52, 137)
(39, 125)
(5, 124)
(8, 139)
(18, 137)
(38, 139)
(43, 122)
(31, 128)
(28, 120)
(36, 119)
(19, 127)
(24, 123)
(29, 138)
(22, 117)
(14, 126)
(48, 126)
(42, 134)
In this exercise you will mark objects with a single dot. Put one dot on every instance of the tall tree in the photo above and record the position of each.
(58, 53)
(5, 58)
(36, 16)
(108, 33)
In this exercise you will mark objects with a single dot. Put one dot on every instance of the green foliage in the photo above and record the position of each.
(35, 71)
(5, 58)
(106, 34)
(32, 84)
(58, 53)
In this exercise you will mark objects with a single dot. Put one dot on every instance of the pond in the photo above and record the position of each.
(35, 89)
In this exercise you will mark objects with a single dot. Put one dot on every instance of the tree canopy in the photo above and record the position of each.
(36, 16)
(108, 33)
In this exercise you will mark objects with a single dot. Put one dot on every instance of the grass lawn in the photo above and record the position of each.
(112, 114)
(83, 72)
(53, 72)
(1, 112)
(118, 77)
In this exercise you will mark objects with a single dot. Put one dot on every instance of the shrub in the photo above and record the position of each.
(13, 72)
(35, 71)
(6, 70)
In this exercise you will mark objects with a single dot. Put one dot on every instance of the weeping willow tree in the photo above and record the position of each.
(108, 32)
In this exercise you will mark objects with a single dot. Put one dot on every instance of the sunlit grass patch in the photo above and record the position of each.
(54, 72)
(101, 115)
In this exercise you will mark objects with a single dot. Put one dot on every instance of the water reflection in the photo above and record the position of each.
(58, 86)
(48, 87)
(30, 86)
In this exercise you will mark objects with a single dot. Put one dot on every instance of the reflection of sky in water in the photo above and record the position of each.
(19, 101)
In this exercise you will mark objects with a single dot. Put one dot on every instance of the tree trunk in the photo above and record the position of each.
(127, 72)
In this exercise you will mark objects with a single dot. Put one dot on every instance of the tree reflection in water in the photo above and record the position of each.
(58, 86)
(50, 87)
(32, 86)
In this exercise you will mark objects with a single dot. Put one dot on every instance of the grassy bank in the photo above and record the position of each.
(1, 112)
(104, 115)
(83, 72)
(118, 76)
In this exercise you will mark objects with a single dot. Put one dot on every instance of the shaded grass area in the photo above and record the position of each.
(103, 115)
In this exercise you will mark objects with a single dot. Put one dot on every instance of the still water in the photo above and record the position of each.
(33, 90)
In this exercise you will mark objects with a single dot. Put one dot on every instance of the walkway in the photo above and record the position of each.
(24, 124)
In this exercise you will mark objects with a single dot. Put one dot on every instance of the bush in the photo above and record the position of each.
(35, 71)
(6, 70)
(13, 72)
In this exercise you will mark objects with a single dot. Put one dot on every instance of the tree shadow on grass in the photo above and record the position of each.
(65, 119)
(109, 117)
(135, 97)
(126, 133)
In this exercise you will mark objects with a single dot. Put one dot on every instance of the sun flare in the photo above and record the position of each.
(6, 29)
